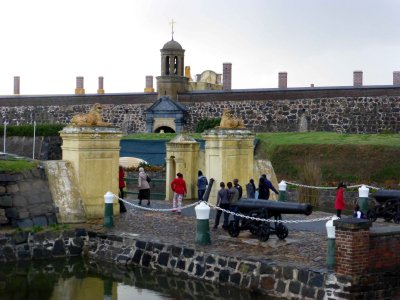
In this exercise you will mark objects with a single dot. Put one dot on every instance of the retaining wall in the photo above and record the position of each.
(264, 276)
(25, 199)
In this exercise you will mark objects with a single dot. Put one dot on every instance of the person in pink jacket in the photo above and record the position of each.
(178, 185)
(339, 200)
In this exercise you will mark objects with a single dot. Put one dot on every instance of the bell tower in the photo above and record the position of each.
(172, 80)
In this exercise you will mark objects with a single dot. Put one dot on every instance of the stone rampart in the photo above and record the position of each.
(342, 109)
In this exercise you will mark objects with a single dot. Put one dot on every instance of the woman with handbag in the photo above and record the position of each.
(144, 187)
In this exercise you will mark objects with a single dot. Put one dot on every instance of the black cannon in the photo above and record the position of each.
(388, 206)
(265, 209)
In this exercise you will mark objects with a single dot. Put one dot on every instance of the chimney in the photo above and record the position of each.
(282, 80)
(100, 89)
(16, 85)
(396, 78)
(79, 86)
(227, 76)
(357, 78)
(149, 84)
(312, 85)
(187, 73)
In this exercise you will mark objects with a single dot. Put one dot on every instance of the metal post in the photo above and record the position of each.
(203, 228)
(282, 190)
(331, 243)
(5, 136)
(363, 198)
(108, 210)
(107, 284)
(34, 137)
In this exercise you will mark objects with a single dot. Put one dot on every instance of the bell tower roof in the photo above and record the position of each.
(172, 45)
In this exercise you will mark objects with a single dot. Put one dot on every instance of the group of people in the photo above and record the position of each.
(227, 196)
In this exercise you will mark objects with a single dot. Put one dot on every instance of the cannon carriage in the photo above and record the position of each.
(387, 207)
(265, 209)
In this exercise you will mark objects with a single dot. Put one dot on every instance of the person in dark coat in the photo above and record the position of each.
(251, 189)
(238, 187)
(264, 186)
(202, 183)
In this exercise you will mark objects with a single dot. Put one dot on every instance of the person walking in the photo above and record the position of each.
(233, 196)
(222, 202)
(202, 183)
(339, 199)
(143, 186)
(178, 186)
(251, 189)
(264, 187)
(238, 187)
(121, 185)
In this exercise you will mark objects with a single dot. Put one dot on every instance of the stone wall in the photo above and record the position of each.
(349, 110)
(25, 199)
(264, 276)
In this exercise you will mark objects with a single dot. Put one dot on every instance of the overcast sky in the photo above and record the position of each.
(50, 42)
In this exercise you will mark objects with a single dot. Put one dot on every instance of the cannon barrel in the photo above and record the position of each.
(382, 196)
(246, 205)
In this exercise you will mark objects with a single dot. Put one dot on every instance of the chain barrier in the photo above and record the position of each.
(154, 209)
(329, 187)
(268, 220)
(225, 211)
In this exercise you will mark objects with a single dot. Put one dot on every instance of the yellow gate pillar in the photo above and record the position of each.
(181, 156)
(229, 154)
(94, 154)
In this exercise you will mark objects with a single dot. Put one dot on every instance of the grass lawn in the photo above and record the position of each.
(17, 165)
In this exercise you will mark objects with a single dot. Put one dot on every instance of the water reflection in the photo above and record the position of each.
(81, 280)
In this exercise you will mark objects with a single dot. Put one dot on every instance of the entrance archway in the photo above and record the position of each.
(165, 129)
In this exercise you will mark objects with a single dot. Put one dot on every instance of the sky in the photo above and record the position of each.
(48, 43)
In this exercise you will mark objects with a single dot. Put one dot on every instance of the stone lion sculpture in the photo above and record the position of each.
(229, 121)
(93, 118)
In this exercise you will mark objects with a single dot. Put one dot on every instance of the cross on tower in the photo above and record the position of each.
(172, 31)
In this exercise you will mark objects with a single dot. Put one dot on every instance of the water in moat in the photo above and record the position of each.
(82, 280)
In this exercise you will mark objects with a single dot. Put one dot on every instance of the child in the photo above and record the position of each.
(339, 200)
(357, 213)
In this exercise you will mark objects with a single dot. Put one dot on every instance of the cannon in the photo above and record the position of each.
(265, 209)
(387, 207)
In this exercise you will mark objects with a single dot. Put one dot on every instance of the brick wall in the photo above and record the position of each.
(384, 250)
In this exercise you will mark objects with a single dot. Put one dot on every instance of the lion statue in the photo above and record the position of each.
(93, 118)
(229, 121)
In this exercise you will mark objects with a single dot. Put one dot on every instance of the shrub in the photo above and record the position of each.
(310, 175)
(27, 130)
(205, 124)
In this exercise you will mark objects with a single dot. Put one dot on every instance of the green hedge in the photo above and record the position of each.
(27, 130)
(205, 124)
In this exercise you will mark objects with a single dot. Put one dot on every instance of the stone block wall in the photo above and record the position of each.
(338, 110)
(25, 199)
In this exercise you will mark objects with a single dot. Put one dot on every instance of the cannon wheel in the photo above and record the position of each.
(233, 229)
(371, 215)
(263, 232)
(282, 231)
(396, 219)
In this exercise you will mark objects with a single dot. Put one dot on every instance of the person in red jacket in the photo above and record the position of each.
(121, 185)
(339, 200)
(178, 185)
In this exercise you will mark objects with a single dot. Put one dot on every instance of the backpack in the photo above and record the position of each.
(148, 178)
